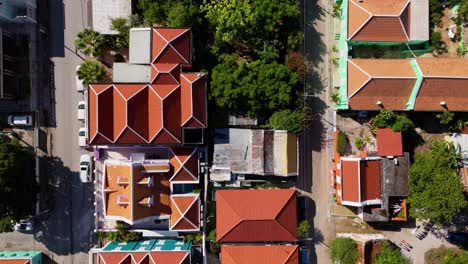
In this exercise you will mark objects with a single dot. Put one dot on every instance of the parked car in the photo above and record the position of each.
(82, 137)
(85, 168)
(24, 226)
(458, 238)
(20, 120)
(79, 83)
(81, 110)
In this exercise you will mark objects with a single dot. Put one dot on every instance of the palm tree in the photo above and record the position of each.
(90, 42)
(91, 71)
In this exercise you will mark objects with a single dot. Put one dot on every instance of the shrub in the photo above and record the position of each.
(389, 255)
(6, 224)
(303, 228)
(384, 119)
(436, 40)
(335, 98)
(122, 234)
(193, 237)
(359, 143)
(344, 251)
(215, 247)
(287, 120)
(402, 123)
(446, 117)
(341, 140)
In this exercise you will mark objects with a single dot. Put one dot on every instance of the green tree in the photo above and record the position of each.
(287, 120)
(344, 250)
(122, 234)
(384, 119)
(436, 40)
(446, 117)
(183, 15)
(402, 123)
(91, 71)
(122, 26)
(215, 247)
(155, 11)
(18, 185)
(303, 228)
(389, 255)
(436, 192)
(255, 88)
(89, 42)
(248, 25)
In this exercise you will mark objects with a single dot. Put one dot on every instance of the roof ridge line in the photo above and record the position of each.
(364, 83)
(363, 24)
(291, 253)
(237, 214)
(282, 208)
(404, 29)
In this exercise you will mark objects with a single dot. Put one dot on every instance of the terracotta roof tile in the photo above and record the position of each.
(444, 67)
(185, 164)
(152, 257)
(389, 143)
(14, 261)
(385, 24)
(171, 45)
(356, 78)
(370, 180)
(261, 220)
(260, 254)
(171, 257)
(454, 92)
(386, 67)
(186, 212)
(350, 181)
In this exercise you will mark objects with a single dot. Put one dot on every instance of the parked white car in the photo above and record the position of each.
(82, 137)
(82, 110)
(85, 168)
(20, 120)
(24, 225)
(79, 83)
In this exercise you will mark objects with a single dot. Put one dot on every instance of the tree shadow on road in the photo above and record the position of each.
(67, 228)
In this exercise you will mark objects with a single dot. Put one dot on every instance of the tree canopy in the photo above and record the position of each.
(287, 120)
(389, 255)
(182, 13)
(253, 25)
(436, 192)
(89, 42)
(17, 183)
(253, 87)
(343, 250)
(91, 72)
(389, 119)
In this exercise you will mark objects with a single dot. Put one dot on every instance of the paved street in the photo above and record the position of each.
(63, 234)
(316, 139)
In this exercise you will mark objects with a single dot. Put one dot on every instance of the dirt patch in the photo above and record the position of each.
(428, 139)
(445, 23)
(353, 225)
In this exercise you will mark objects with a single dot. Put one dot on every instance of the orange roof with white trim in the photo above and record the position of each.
(185, 213)
(152, 257)
(155, 112)
(260, 254)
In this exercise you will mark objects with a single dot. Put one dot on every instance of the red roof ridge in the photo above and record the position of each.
(182, 214)
(240, 220)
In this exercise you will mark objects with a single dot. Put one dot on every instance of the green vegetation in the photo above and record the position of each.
(91, 71)
(443, 255)
(182, 13)
(336, 9)
(335, 98)
(436, 192)
(303, 228)
(194, 238)
(389, 119)
(344, 250)
(287, 120)
(122, 234)
(17, 182)
(389, 255)
(446, 117)
(255, 87)
(360, 143)
(90, 42)
(436, 40)
(249, 26)
(215, 247)
(341, 141)
(454, 122)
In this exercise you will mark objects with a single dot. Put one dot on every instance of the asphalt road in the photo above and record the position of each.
(64, 234)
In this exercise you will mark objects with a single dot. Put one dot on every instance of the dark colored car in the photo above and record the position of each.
(458, 238)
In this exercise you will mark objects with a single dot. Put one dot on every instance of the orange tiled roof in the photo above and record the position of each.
(375, 20)
(153, 257)
(185, 212)
(155, 112)
(14, 261)
(184, 162)
(389, 81)
(360, 180)
(256, 215)
(131, 200)
(350, 181)
(389, 143)
(260, 254)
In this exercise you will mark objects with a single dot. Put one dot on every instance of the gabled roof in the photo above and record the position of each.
(375, 20)
(185, 213)
(389, 81)
(151, 257)
(360, 181)
(260, 254)
(389, 143)
(14, 261)
(256, 215)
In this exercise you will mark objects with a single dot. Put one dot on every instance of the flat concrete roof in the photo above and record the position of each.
(131, 73)
(104, 10)
(140, 46)
(419, 21)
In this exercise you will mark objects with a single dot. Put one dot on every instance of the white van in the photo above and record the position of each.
(20, 120)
